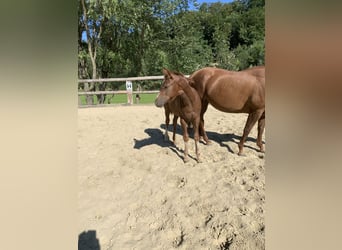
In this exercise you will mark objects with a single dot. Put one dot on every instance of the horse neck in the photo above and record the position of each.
(186, 101)
(188, 91)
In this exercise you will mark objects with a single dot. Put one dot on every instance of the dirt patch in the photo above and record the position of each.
(135, 192)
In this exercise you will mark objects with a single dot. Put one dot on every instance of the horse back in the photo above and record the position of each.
(258, 71)
(231, 91)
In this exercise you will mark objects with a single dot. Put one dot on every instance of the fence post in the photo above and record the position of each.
(129, 89)
(137, 96)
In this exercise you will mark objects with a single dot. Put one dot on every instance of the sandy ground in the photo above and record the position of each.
(135, 192)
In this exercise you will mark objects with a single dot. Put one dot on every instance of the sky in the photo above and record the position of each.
(212, 1)
(209, 2)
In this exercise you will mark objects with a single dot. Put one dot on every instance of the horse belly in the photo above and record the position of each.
(177, 109)
(225, 101)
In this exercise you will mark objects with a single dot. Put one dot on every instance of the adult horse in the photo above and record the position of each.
(183, 101)
(234, 92)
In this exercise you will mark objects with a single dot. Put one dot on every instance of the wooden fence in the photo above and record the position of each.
(139, 78)
(123, 79)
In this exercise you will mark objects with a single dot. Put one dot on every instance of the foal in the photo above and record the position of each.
(183, 101)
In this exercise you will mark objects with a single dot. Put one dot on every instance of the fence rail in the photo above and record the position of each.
(123, 79)
(117, 92)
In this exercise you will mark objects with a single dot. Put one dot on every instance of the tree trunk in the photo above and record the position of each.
(101, 97)
(89, 98)
(92, 54)
(91, 85)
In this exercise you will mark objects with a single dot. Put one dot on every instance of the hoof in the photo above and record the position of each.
(186, 159)
(261, 147)
(199, 160)
(241, 154)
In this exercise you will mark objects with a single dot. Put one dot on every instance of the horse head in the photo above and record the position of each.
(171, 87)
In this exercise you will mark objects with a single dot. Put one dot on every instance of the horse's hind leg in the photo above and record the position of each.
(251, 120)
(261, 127)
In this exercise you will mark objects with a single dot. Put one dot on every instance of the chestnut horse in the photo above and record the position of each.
(167, 122)
(183, 101)
(234, 92)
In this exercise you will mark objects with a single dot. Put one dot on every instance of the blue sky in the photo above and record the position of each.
(210, 1)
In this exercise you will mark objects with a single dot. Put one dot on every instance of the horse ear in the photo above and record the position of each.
(167, 73)
(191, 81)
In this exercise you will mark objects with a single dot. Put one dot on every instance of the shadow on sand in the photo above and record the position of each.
(156, 137)
(216, 137)
(88, 241)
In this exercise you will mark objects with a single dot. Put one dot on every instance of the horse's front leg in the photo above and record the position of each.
(167, 122)
(203, 133)
(186, 139)
(175, 118)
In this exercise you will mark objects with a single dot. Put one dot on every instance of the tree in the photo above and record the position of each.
(139, 37)
(93, 19)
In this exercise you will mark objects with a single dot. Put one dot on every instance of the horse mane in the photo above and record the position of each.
(189, 79)
(189, 86)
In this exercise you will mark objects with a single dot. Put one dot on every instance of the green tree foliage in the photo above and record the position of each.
(140, 37)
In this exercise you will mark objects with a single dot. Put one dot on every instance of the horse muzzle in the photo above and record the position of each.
(161, 101)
